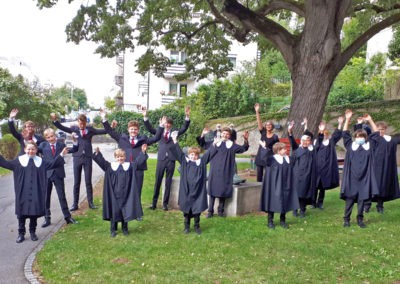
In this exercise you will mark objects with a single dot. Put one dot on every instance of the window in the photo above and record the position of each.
(173, 89)
(182, 90)
(177, 89)
(177, 57)
(232, 59)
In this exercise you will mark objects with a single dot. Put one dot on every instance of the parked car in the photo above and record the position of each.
(61, 136)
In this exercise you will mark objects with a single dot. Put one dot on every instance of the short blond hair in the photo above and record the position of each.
(119, 153)
(48, 131)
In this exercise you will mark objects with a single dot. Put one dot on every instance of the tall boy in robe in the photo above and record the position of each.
(358, 183)
(30, 183)
(121, 202)
(192, 198)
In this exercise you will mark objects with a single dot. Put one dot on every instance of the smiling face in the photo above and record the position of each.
(50, 136)
(31, 149)
(29, 128)
(305, 142)
(119, 156)
(133, 131)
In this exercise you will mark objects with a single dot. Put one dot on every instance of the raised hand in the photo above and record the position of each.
(53, 116)
(205, 131)
(257, 107)
(97, 150)
(145, 113)
(321, 126)
(144, 148)
(102, 113)
(187, 111)
(114, 123)
(348, 114)
(13, 113)
(340, 120)
(64, 151)
(262, 144)
(246, 135)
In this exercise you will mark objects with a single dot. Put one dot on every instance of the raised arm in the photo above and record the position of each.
(348, 114)
(292, 141)
(258, 118)
(99, 159)
(11, 125)
(57, 124)
(371, 122)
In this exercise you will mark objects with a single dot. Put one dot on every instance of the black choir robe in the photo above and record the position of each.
(358, 181)
(30, 182)
(385, 166)
(222, 168)
(192, 185)
(121, 201)
(278, 193)
(327, 165)
(264, 153)
(304, 170)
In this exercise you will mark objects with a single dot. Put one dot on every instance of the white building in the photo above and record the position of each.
(135, 87)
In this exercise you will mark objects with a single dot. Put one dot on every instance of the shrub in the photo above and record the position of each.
(9, 147)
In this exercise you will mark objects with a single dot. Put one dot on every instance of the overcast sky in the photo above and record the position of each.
(37, 38)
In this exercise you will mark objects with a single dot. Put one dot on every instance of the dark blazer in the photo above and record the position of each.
(125, 144)
(45, 149)
(84, 143)
(164, 145)
(18, 136)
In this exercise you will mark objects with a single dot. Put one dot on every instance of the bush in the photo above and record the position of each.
(9, 147)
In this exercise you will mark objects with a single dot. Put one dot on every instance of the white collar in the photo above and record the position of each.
(280, 158)
(355, 146)
(228, 143)
(325, 142)
(197, 162)
(24, 160)
(115, 165)
(387, 137)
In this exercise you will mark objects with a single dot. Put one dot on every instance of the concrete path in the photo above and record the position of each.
(16, 259)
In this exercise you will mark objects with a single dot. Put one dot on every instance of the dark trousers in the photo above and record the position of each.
(168, 167)
(190, 215)
(260, 173)
(221, 205)
(349, 207)
(368, 203)
(139, 175)
(84, 163)
(60, 188)
(32, 224)
(271, 217)
(303, 204)
(319, 197)
(114, 226)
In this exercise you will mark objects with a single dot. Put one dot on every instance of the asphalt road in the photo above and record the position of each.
(16, 259)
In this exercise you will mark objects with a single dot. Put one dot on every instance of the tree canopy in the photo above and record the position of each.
(311, 44)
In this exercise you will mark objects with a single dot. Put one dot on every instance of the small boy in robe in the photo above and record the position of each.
(192, 198)
(278, 193)
(121, 199)
(30, 183)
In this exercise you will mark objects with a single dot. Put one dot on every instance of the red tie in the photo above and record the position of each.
(166, 136)
(83, 132)
(133, 142)
(53, 150)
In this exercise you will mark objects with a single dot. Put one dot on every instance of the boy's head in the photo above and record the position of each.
(305, 141)
(269, 125)
(226, 133)
(133, 128)
(279, 148)
(50, 135)
(120, 156)
(168, 124)
(30, 148)
(326, 133)
(29, 128)
(382, 127)
(360, 136)
(193, 153)
(82, 120)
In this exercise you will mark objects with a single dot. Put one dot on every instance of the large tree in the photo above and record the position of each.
(312, 50)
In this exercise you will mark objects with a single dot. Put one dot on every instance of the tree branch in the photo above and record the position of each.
(192, 34)
(367, 35)
(376, 8)
(277, 5)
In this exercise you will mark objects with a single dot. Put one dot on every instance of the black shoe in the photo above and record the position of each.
(186, 231)
(271, 225)
(113, 234)
(197, 230)
(320, 207)
(92, 206)
(20, 239)
(139, 219)
(165, 207)
(34, 237)
(220, 214)
(125, 232)
(302, 214)
(70, 220)
(295, 213)
(152, 207)
(366, 210)
(346, 224)
(284, 225)
(379, 210)
(74, 208)
(46, 222)
(361, 224)
(313, 206)
(210, 215)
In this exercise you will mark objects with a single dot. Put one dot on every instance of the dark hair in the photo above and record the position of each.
(82, 117)
(360, 133)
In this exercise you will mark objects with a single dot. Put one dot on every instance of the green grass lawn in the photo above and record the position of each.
(316, 249)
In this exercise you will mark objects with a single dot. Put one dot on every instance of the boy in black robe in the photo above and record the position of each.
(121, 202)
(222, 170)
(385, 165)
(30, 183)
(278, 193)
(192, 198)
(359, 183)
(304, 169)
(327, 165)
